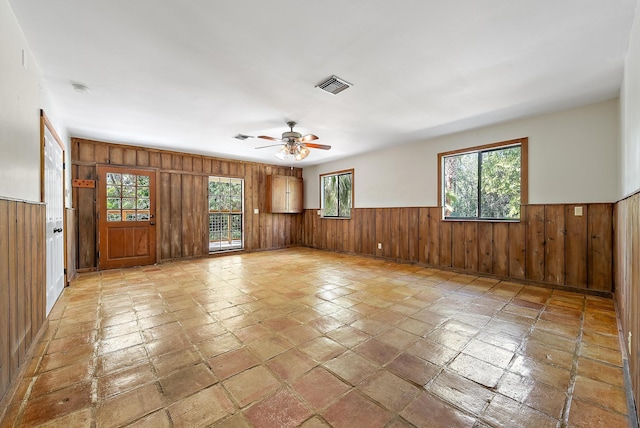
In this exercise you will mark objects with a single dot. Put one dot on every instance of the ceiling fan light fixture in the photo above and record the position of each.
(301, 153)
(282, 152)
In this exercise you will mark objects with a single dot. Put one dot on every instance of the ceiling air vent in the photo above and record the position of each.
(334, 85)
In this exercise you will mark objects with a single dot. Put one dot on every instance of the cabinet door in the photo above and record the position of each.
(295, 195)
(284, 194)
(277, 194)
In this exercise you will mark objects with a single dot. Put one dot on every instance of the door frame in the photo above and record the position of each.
(45, 123)
(98, 207)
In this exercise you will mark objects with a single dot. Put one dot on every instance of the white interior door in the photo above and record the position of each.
(54, 199)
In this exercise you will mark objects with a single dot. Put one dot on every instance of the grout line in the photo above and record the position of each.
(574, 369)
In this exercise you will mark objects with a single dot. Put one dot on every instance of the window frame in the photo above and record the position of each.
(524, 176)
(336, 173)
(229, 212)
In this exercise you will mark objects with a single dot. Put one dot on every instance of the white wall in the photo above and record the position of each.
(22, 95)
(573, 157)
(630, 116)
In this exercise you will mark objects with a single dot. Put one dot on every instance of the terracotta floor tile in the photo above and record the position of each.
(586, 415)
(603, 340)
(432, 351)
(269, 347)
(397, 338)
(387, 389)
(57, 404)
(534, 394)
(541, 352)
(369, 326)
(291, 364)
(599, 353)
(251, 385)
(204, 332)
(325, 324)
(476, 370)
(168, 344)
(252, 333)
(488, 353)
(322, 349)
(348, 336)
(355, 411)
(553, 376)
(168, 363)
(565, 330)
(68, 342)
(201, 409)
(505, 412)
(186, 381)
(554, 341)
(219, 345)
(376, 351)
(428, 411)
(120, 342)
(125, 380)
(81, 371)
(602, 372)
(67, 356)
(461, 392)
(128, 407)
(80, 419)
(601, 394)
(281, 410)
(413, 369)
(119, 360)
(319, 388)
(233, 362)
(351, 367)
(451, 339)
(300, 334)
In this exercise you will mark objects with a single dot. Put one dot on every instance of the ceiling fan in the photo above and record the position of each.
(292, 144)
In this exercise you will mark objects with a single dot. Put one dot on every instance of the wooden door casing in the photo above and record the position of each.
(122, 242)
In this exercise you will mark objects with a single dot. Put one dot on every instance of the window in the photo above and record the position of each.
(128, 197)
(336, 194)
(484, 183)
(225, 213)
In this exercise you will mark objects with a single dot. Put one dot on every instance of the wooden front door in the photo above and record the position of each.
(126, 217)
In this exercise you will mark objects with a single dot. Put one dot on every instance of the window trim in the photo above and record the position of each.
(524, 175)
(341, 172)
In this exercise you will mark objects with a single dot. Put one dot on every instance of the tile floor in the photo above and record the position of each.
(307, 338)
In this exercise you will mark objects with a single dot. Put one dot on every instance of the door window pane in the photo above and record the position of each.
(128, 192)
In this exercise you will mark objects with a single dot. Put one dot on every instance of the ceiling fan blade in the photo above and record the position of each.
(317, 146)
(308, 137)
(272, 145)
(264, 137)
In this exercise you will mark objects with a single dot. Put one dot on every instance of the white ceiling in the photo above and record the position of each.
(189, 75)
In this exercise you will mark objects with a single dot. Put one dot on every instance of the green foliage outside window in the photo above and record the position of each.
(337, 195)
(484, 184)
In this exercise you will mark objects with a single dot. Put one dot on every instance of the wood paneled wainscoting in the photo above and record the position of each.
(22, 285)
(181, 199)
(549, 246)
(627, 277)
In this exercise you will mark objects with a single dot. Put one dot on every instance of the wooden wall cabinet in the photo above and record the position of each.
(284, 194)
